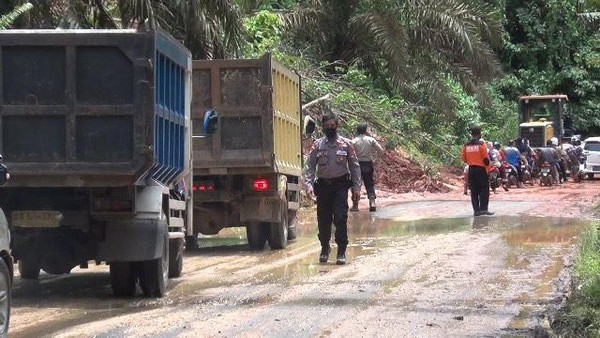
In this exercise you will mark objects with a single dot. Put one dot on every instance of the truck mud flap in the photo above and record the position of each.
(293, 195)
(262, 209)
(133, 241)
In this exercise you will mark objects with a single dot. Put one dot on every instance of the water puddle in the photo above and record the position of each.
(369, 234)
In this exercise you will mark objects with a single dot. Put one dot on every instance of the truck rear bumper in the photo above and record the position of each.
(211, 217)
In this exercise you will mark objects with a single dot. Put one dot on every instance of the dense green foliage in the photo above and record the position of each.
(210, 28)
(551, 50)
(420, 71)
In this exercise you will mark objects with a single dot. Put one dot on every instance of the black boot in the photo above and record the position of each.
(372, 206)
(341, 256)
(325, 250)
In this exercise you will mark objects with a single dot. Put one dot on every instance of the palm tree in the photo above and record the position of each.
(407, 42)
(209, 28)
(7, 19)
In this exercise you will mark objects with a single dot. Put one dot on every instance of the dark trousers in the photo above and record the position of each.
(366, 171)
(332, 207)
(480, 188)
(562, 167)
(517, 169)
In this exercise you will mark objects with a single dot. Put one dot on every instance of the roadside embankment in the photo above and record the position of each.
(580, 316)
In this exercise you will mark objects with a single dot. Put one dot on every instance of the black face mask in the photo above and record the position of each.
(330, 132)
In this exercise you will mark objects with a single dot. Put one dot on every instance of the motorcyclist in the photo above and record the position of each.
(527, 152)
(562, 159)
(550, 155)
(576, 141)
(513, 157)
(500, 159)
(575, 153)
(492, 167)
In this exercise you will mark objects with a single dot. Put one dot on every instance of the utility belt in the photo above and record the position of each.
(336, 181)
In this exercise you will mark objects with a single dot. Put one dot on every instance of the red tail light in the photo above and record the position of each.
(203, 187)
(261, 184)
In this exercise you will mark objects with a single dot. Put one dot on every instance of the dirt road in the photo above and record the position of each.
(419, 267)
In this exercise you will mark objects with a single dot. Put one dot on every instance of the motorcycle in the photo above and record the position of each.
(576, 160)
(527, 176)
(546, 175)
(494, 176)
(510, 174)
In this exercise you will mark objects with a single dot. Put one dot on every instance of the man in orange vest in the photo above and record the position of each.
(475, 155)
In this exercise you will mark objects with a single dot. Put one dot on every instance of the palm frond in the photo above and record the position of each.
(591, 19)
(8, 19)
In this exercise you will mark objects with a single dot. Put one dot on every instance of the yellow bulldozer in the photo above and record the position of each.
(542, 117)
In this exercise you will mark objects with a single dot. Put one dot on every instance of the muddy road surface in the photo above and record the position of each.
(421, 266)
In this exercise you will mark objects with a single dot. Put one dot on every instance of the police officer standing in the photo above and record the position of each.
(333, 159)
(366, 146)
(475, 155)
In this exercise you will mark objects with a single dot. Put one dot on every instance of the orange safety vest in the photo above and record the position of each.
(474, 152)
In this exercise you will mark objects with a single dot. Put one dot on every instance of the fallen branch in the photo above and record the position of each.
(313, 102)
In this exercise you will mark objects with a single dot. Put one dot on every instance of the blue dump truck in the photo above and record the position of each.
(95, 126)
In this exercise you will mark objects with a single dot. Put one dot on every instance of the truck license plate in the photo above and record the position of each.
(36, 219)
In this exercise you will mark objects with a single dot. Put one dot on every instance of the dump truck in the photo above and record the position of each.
(542, 117)
(95, 126)
(247, 156)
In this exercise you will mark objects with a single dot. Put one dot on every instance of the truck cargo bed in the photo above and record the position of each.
(258, 105)
(93, 107)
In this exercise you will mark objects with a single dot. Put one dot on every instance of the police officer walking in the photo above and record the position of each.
(333, 159)
(475, 155)
(366, 146)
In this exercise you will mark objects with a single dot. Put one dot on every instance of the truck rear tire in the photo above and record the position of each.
(154, 274)
(292, 224)
(278, 231)
(175, 257)
(257, 235)
(29, 266)
(123, 278)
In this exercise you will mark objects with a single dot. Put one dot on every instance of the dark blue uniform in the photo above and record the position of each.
(336, 167)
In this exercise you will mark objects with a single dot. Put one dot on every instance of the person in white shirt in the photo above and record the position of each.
(366, 150)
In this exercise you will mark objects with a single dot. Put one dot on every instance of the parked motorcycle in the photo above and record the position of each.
(546, 174)
(511, 175)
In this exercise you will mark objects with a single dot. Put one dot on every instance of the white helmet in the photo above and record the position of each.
(554, 141)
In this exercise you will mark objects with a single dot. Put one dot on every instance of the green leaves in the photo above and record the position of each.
(209, 28)
(263, 34)
(417, 38)
(7, 20)
(552, 48)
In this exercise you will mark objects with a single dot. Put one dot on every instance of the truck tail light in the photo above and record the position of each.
(261, 184)
(204, 187)
(112, 205)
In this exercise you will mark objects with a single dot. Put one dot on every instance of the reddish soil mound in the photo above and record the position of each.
(396, 173)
